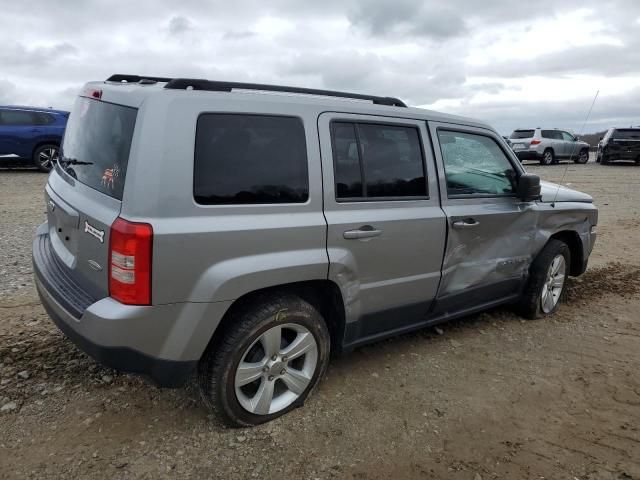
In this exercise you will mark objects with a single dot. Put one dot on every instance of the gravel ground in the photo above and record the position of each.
(487, 397)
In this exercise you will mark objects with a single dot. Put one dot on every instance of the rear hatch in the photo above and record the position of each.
(84, 192)
(626, 142)
(521, 139)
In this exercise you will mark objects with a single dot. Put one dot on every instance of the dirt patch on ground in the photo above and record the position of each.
(614, 278)
(488, 397)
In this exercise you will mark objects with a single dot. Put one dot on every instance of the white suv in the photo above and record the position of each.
(548, 146)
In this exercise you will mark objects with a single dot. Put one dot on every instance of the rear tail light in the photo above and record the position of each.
(535, 141)
(130, 249)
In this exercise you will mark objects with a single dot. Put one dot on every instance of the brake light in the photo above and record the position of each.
(535, 141)
(92, 93)
(130, 249)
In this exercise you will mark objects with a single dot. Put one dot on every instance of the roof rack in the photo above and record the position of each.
(119, 77)
(217, 86)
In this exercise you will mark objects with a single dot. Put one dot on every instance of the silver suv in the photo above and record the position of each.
(246, 232)
(548, 146)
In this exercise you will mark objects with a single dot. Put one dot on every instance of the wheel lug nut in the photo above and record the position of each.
(265, 369)
(283, 371)
(284, 359)
(274, 358)
(271, 377)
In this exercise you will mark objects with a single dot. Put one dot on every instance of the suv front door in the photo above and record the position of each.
(569, 145)
(386, 230)
(491, 231)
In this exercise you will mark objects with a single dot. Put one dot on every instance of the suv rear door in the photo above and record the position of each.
(626, 143)
(491, 232)
(84, 191)
(386, 230)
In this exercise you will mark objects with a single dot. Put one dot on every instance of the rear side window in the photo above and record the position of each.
(377, 161)
(522, 134)
(44, 119)
(250, 159)
(96, 144)
(475, 165)
(547, 134)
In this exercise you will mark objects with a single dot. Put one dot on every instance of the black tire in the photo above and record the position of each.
(604, 159)
(530, 305)
(45, 156)
(217, 368)
(583, 157)
(638, 160)
(598, 157)
(548, 157)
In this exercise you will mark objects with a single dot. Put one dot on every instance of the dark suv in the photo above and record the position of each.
(619, 144)
(31, 135)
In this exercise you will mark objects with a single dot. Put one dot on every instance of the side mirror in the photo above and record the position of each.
(601, 138)
(529, 187)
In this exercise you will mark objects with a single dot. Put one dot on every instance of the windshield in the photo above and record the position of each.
(96, 144)
(522, 134)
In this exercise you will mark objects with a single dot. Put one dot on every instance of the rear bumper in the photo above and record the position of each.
(625, 156)
(154, 341)
(528, 155)
(164, 373)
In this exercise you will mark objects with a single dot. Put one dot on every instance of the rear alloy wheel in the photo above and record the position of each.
(45, 157)
(547, 157)
(266, 362)
(583, 157)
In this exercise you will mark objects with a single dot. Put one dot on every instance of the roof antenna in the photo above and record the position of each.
(553, 204)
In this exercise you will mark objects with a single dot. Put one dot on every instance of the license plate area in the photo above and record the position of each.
(63, 223)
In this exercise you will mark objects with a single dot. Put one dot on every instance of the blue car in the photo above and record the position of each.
(31, 136)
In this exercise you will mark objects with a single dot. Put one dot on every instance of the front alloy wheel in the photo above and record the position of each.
(552, 288)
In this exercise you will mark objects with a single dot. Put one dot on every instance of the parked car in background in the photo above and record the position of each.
(548, 146)
(31, 135)
(619, 144)
(247, 236)
(508, 140)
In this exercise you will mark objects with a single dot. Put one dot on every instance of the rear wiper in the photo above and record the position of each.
(74, 161)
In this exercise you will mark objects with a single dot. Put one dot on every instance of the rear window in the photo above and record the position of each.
(522, 134)
(250, 159)
(627, 134)
(96, 144)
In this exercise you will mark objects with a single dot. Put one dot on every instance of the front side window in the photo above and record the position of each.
(250, 159)
(567, 137)
(377, 161)
(475, 165)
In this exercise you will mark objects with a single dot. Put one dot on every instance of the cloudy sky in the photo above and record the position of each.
(513, 64)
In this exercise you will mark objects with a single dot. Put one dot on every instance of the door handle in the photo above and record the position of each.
(466, 223)
(366, 231)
